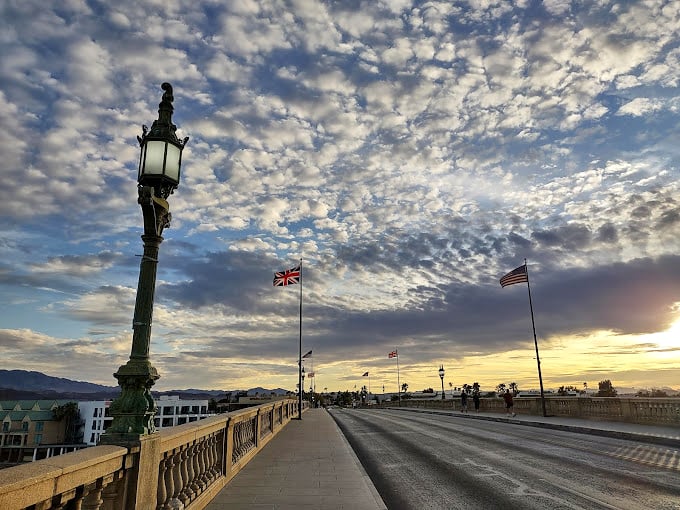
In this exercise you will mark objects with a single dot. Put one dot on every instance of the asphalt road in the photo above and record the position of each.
(428, 461)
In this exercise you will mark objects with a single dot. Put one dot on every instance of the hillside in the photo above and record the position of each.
(29, 385)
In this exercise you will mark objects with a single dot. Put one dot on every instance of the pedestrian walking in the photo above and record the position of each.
(463, 401)
(475, 400)
(507, 396)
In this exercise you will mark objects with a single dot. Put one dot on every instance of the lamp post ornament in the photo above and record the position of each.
(159, 167)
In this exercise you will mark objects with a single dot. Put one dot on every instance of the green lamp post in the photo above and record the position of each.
(159, 172)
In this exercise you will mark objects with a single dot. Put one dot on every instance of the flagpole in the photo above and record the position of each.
(533, 325)
(300, 352)
(398, 386)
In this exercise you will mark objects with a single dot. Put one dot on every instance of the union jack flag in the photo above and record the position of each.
(393, 354)
(287, 277)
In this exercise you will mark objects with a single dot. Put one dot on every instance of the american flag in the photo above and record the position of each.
(518, 275)
(307, 355)
(287, 277)
(393, 354)
(365, 374)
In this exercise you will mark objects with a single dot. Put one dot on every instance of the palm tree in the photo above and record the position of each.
(404, 387)
(500, 388)
(69, 413)
(513, 387)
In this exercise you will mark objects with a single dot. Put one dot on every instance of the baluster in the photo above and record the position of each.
(191, 472)
(169, 481)
(209, 459)
(203, 462)
(110, 495)
(214, 471)
(93, 500)
(221, 448)
(195, 468)
(75, 503)
(236, 439)
(185, 491)
(162, 494)
(177, 479)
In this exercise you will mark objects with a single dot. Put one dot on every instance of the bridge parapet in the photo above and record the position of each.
(641, 410)
(181, 467)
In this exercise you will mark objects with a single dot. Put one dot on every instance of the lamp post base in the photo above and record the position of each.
(134, 410)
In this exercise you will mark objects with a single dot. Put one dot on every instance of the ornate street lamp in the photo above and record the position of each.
(303, 384)
(441, 376)
(158, 177)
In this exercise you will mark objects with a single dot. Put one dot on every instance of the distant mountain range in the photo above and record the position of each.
(28, 385)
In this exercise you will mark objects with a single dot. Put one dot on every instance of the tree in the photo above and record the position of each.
(475, 388)
(404, 387)
(69, 413)
(467, 388)
(514, 388)
(606, 389)
(565, 390)
(654, 393)
(500, 388)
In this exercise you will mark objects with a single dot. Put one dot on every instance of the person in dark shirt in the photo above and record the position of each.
(475, 400)
(463, 401)
(507, 396)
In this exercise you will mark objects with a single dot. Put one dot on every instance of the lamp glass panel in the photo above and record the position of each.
(155, 154)
(172, 162)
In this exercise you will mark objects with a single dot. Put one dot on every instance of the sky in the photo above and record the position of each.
(409, 152)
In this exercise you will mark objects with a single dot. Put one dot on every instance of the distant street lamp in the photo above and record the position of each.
(303, 383)
(158, 177)
(441, 376)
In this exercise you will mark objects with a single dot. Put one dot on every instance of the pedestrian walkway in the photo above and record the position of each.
(655, 434)
(308, 465)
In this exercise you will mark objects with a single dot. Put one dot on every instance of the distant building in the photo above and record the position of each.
(171, 411)
(30, 431)
(243, 401)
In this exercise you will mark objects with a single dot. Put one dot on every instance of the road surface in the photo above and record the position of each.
(429, 461)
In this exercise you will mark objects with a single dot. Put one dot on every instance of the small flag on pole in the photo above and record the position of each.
(307, 355)
(518, 275)
(393, 354)
(287, 277)
(365, 374)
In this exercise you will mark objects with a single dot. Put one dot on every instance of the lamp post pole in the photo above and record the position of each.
(441, 376)
(133, 411)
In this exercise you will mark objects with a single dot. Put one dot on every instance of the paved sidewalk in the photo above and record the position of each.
(308, 465)
(663, 435)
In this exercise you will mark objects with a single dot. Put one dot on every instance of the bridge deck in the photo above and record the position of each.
(309, 464)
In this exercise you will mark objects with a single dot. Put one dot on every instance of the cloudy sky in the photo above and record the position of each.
(411, 153)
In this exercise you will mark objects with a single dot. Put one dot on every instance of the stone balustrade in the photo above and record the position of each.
(181, 467)
(645, 411)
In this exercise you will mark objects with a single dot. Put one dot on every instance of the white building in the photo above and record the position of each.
(172, 410)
